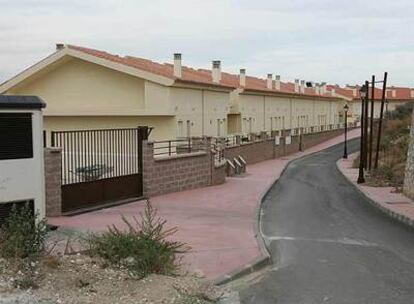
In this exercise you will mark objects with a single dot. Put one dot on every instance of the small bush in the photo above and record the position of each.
(143, 247)
(23, 234)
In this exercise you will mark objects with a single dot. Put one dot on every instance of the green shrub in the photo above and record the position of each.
(23, 234)
(143, 248)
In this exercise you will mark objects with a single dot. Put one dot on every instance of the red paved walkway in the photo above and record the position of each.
(218, 221)
(395, 204)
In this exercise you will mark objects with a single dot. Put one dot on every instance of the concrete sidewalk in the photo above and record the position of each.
(394, 204)
(218, 222)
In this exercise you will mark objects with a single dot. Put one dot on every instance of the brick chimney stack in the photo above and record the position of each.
(216, 71)
(242, 77)
(177, 65)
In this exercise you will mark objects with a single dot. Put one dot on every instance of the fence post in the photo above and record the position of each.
(44, 139)
(189, 145)
(52, 138)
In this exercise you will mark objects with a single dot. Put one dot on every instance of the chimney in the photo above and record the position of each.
(177, 65)
(323, 88)
(59, 46)
(302, 86)
(277, 82)
(269, 83)
(317, 89)
(216, 71)
(296, 85)
(242, 77)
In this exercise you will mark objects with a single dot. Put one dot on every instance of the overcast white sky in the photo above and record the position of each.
(338, 41)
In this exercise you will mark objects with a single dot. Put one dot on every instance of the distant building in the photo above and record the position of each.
(395, 96)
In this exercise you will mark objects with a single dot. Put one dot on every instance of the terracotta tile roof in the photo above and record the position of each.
(162, 69)
(401, 93)
(341, 91)
(230, 81)
(198, 76)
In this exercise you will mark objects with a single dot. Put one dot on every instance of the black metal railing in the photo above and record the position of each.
(178, 146)
(218, 152)
(89, 155)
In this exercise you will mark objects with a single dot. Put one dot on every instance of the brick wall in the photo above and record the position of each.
(53, 168)
(266, 149)
(251, 152)
(314, 139)
(176, 173)
(409, 169)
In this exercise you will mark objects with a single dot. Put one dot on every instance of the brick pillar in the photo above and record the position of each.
(409, 169)
(238, 139)
(53, 181)
(148, 166)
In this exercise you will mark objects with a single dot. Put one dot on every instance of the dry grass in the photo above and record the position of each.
(393, 150)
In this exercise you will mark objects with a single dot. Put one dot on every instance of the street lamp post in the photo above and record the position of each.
(346, 131)
(364, 93)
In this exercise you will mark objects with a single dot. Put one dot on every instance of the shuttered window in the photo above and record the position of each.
(16, 136)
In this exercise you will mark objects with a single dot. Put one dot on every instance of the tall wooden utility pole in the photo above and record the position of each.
(384, 88)
(371, 128)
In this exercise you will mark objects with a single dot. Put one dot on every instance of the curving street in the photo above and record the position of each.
(328, 244)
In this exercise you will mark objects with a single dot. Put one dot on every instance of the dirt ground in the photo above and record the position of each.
(80, 279)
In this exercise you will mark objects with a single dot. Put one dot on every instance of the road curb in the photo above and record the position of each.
(395, 215)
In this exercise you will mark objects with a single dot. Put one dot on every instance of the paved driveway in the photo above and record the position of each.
(328, 243)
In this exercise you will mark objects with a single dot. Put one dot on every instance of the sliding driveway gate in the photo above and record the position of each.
(100, 166)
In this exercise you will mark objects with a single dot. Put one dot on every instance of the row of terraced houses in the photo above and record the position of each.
(91, 89)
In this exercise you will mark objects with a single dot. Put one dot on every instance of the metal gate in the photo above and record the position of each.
(100, 166)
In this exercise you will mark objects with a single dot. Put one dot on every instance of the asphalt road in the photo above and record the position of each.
(328, 244)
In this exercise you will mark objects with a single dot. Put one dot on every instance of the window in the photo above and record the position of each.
(16, 136)
(6, 208)
(180, 129)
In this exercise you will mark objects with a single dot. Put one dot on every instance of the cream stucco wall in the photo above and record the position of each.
(81, 88)
(262, 112)
(277, 116)
(164, 126)
(252, 112)
(199, 112)
(216, 107)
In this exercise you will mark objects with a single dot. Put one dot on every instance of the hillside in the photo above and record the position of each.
(393, 149)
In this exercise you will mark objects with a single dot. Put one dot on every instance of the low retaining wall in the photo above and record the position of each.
(314, 139)
(175, 173)
(53, 184)
(262, 150)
